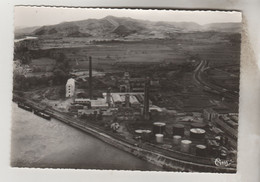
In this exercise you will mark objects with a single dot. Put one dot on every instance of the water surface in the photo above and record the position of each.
(37, 142)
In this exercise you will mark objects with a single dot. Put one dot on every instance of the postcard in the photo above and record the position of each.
(126, 89)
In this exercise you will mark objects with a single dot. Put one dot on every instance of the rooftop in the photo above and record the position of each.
(71, 81)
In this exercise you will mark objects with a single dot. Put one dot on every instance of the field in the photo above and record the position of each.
(216, 47)
(172, 61)
(218, 76)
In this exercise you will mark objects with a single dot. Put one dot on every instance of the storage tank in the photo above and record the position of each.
(218, 138)
(213, 151)
(213, 148)
(178, 129)
(158, 128)
(159, 138)
(138, 132)
(197, 133)
(198, 125)
(176, 139)
(185, 146)
(147, 135)
(201, 150)
(223, 155)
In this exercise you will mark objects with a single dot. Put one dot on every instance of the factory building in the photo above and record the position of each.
(88, 112)
(82, 101)
(117, 100)
(100, 103)
(138, 84)
(74, 108)
(224, 119)
(70, 87)
(211, 113)
(125, 99)
(226, 124)
(128, 84)
(208, 114)
(134, 102)
(108, 115)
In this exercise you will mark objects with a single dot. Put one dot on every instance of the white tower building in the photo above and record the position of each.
(70, 87)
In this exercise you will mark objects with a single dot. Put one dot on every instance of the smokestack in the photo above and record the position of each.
(127, 100)
(90, 77)
(146, 99)
(109, 97)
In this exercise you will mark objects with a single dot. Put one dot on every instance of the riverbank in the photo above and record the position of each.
(163, 161)
(40, 143)
(148, 154)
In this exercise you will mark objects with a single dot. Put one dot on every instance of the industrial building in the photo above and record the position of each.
(100, 103)
(88, 112)
(138, 101)
(119, 99)
(70, 87)
(92, 103)
(82, 101)
(127, 107)
(224, 119)
(209, 113)
(128, 84)
(227, 125)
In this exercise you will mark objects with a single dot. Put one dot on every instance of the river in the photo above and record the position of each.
(25, 38)
(37, 142)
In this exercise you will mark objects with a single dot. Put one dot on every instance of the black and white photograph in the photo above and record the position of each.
(125, 89)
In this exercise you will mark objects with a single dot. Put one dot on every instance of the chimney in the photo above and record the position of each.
(146, 99)
(90, 77)
(127, 100)
(109, 97)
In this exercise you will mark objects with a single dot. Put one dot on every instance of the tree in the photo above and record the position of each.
(61, 57)
(59, 76)
(25, 57)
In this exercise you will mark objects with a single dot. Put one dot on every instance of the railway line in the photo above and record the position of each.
(198, 77)
(203, 65)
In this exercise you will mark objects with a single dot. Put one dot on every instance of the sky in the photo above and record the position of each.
(39, 16)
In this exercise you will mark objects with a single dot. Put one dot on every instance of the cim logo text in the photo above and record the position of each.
(222, 163)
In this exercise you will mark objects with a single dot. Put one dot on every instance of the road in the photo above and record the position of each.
(198, 77)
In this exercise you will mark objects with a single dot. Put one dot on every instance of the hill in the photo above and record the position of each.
(125, 27)
(23, 31)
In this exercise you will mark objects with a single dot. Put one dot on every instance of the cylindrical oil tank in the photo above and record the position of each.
(197, 133)
(185, 146)
(223, 155)
(213, 150)
(198, 125)
(138, 132)
(201, 150)
(176, 139)
(159, 138)
(178, 129)
(158, 128)
(147, 135)
(218, 138)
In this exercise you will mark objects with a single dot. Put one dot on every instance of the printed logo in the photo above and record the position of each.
(222, 163)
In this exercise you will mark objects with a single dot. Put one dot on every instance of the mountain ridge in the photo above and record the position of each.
(114, 27)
